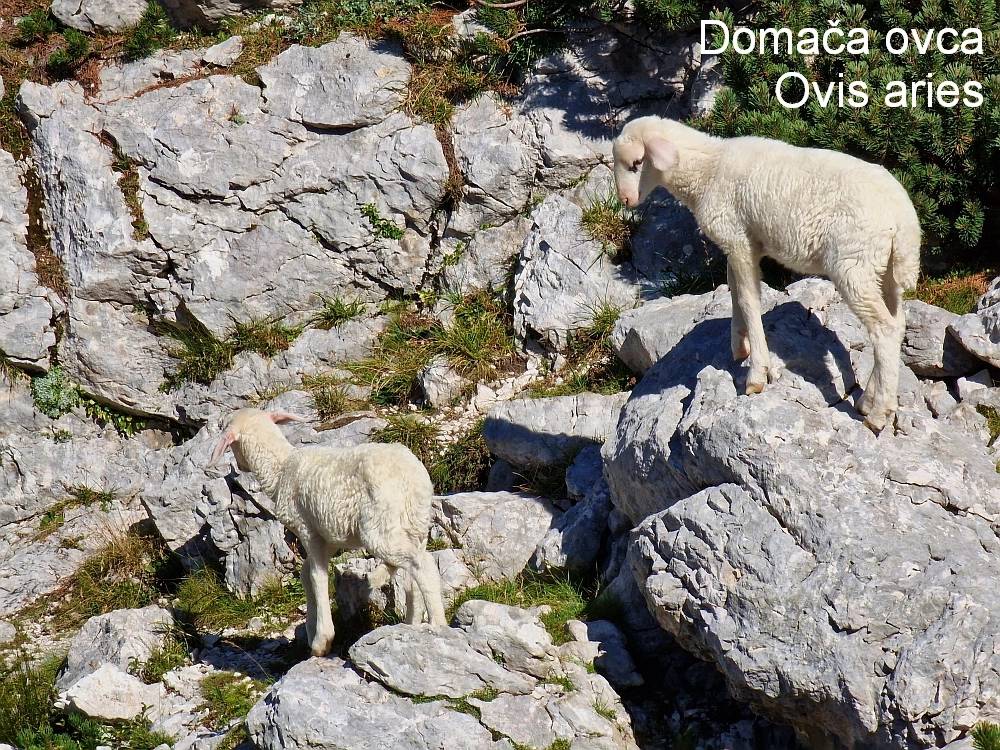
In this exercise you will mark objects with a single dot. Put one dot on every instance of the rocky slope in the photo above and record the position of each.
(837, 582)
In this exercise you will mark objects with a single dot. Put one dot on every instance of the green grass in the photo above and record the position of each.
(124, 574)
(336, 312)
(478, 342)
(329, 397)
(202, 356)
(957, 292)
(608, 713)
(83, 496)
(418, 435)
(545, 481)
(986, 736)
(208, 606)
(229, 696)
(55, 394)
(26, 696)
(167, 657)
(593, 364)
(564, 682)
(710, 273)
(567, 596)
(612, 223)
(992, 421)
(128, 183)
(383, 228)
(465, 464)
(151, 33)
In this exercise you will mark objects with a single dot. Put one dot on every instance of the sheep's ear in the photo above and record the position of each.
(283, 417)
(661, 153)
(225, 440)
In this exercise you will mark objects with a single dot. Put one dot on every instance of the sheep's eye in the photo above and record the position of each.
(635, 165)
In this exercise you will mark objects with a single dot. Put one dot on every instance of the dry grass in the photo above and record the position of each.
(957, 292)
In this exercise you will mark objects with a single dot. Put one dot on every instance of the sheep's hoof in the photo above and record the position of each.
(865, 403)
(877, 421)
(754, 386)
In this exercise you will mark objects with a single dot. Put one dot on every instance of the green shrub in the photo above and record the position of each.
(63, 60)
(36, 25)
(986, 736)
(948, 159)
(152, 32)
(381, 227)
(54, 394)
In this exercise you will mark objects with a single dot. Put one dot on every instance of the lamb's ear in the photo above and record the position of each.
(225, 440)
(283, 417)
(662, 154)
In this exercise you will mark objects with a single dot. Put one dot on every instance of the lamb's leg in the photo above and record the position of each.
(883, 317)
(316, 583)
(414, 602)
(744, 273)
(402, 553)
(739, 341)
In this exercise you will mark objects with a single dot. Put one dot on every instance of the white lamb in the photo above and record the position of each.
(372, 496)
(815, 211)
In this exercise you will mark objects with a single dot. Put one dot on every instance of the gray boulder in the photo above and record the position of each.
(224, 53)
(323, 703)
(98, 15)
(497, 154)
(779, 536)
(441, 383)
(565, 277)
(488, 258)
(496, 531)
(929, 349)
(514, 636)
(348, 83)
(979, 331)
(574, 542)
(26, 332)
(111, 694)
(600, 643)
(209, 13)
(423, 661)
(122, 638)
(533, 432)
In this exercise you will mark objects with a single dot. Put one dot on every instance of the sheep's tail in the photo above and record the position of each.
(905, 260)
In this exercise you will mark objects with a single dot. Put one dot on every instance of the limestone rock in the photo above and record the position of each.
(575, 541)
(486, 261)
(534, 432)
(603, 644)
(209, 13)
(754, 512)
(348, 83)
(98, 15)
(497, 531)
(421, 660)
(120, 638)
(979, 333)
(509, 634)
(225, 53)
(440, 383)
(565, 277)
(496, 151)
(322, 703)
(111, 694)
(928, 347)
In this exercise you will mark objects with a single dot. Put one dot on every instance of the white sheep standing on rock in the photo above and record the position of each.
(373, 496)
(814, 211)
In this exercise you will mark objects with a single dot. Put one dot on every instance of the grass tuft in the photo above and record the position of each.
(229, 696)
(336, 312)
(986, 736)
(612, 223)
(209, 606)
(151, 33)
(203, 356)
(992, 421)
(567, 596)
(464, 466)
(417, 434)
(957, 292)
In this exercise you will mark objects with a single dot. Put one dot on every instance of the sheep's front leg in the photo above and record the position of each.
(739, 341)
(316, 582)
(744, 276)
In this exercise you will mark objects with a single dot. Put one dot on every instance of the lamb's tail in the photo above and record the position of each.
(905, 258)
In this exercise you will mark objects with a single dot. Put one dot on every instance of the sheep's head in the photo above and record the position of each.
(248, 423)
(643, 159)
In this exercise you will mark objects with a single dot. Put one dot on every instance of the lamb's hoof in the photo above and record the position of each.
(877, 421)
(865, 404)
(754, 386)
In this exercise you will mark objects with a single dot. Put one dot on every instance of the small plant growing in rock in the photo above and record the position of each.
(36, 25)
(152, 32)
(63, 60)
(229, 696)
(54, 394)
(986, 736)
(336, 312)
(612, 224)
(608, 713)
(381, 227)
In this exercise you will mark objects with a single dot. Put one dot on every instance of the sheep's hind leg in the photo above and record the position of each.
(423, 571)
(316, 583)
(744, 272)
(883, 317)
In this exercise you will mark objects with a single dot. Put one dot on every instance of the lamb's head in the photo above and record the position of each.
(644, 158)
(249, 430)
